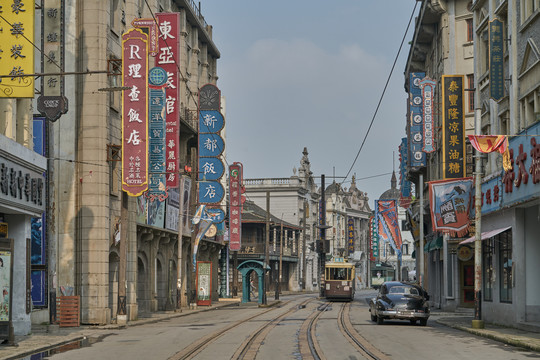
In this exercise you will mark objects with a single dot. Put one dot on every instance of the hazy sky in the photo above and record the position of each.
(309, 73)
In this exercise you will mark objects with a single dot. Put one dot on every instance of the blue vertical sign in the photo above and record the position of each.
(211, 146)
(417, 157)
(156, 127)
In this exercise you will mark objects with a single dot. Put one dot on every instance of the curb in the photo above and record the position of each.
(490, 335)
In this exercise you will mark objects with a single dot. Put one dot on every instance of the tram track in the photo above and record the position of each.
(246, 349)
(310, 348)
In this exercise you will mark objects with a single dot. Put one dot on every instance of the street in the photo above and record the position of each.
(251, 332)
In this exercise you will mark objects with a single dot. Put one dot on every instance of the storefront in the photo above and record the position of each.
(22, 197)
(510, 228)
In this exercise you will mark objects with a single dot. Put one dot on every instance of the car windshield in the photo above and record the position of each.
(402, 289)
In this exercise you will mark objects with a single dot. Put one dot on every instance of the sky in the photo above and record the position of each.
(310, 73)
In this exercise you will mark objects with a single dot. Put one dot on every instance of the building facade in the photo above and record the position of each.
(85, 227)
(442, 45)
(508, 103)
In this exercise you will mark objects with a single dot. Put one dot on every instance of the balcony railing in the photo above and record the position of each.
(258, 249)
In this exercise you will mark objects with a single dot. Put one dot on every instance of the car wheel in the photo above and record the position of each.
(373, 318)
(423, 322)
(380, 320)
(413, 321)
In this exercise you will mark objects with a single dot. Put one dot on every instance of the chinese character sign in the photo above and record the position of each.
(168, 58)
(453, 146)
(450, 203)
(428, 86)
(496, 56)
(415, 126)
(350, 235)
(135, 112)
(374, 238)
(235, 206)
(404, 184)
(157, 148)
(16, 51)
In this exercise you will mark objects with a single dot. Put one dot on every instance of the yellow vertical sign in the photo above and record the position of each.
(16, 49)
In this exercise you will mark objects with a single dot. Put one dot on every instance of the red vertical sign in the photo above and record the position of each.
(235, 203)
(168, 58)
(135, 112)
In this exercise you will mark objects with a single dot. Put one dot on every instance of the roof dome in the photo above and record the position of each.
(393, 193)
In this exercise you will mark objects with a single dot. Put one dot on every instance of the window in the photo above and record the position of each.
(406, 249)
(528, 8)
(528, 114)
(487, 271)
(470, 31)
(505, 265)
(483, 47)
(470, 93)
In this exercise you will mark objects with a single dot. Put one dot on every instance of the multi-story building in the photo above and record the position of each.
(442, 44)
(80, 253)
(296, 201)
(507, 83)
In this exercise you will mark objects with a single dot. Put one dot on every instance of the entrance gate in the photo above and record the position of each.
(246, 268)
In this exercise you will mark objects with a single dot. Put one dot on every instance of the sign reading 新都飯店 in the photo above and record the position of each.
(453, 129)
(135, 112)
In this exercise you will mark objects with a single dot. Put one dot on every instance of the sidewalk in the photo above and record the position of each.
(512, 336)
(63, 339)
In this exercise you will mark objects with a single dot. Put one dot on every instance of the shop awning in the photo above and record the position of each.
(434, 244)
(485, 235)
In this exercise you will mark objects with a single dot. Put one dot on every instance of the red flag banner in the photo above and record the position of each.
(489, 143)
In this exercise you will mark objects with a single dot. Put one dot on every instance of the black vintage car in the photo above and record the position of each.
(401, 301)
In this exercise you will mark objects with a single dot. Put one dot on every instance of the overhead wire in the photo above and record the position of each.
(383, 93)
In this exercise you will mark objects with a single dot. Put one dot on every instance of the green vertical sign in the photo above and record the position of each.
(496, 56)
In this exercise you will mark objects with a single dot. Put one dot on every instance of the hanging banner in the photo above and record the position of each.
(387, 223)
(235, 206)
(17, 56)
(428, 87)
(135, 112)
(453, 128)
(168, 58)
(204, 283)
(404, 184)
(451, 203)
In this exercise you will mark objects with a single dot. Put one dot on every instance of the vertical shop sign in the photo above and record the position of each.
(52, 103)
(16, 51)
(156, 157)
(168, 58)
(204, 283)
(6, 288)
(496, 56)
(235, 206)
(135, 112)
(374, 239)
(428, 86)
(453, 146)
(350, 235)
(416, 121)
(211, 145)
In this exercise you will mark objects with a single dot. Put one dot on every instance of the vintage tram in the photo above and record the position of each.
(339, 280)
(380, 273)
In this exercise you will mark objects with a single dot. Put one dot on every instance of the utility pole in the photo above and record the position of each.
(266, 247)
(121, 305)
(421, 249)
(280, 256)
(478, 323)
(322, 241)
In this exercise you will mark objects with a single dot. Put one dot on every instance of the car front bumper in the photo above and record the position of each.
(403, 314)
